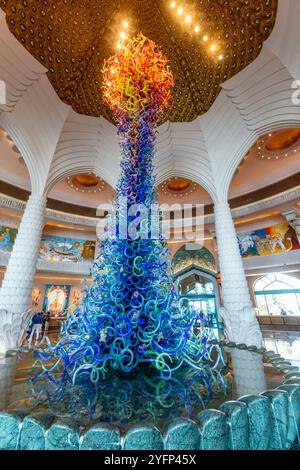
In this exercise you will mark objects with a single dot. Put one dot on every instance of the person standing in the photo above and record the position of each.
(36, 328)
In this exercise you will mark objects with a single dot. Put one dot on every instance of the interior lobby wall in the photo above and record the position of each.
(41, 281)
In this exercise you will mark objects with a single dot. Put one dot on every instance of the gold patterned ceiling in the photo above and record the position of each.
(86, 183)
(71, 38)
(177, 187)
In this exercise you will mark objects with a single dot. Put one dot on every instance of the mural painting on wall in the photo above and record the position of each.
(77, 298)
(56, 299)
(35, 298)
(277, 239)
(66, 249)
(7, 239)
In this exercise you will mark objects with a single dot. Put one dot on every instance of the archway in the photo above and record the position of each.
(273, 158)
(277, 294)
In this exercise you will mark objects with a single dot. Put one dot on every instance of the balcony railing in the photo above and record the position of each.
(56, 266)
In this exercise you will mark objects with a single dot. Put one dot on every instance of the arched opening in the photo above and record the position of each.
(195, 277)
(270, 166)
(277, 294)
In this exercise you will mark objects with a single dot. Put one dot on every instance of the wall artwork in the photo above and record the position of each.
(35, 297)
(56, 299)
(7, 239)
(66, 249)
(78, 296)
(269, 241)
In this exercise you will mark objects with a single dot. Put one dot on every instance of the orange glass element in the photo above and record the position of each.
(282, 140)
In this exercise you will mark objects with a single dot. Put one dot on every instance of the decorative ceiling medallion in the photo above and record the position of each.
(278, 145)
(15, 149)
(86, 183)
(178, 187)
(73, 38)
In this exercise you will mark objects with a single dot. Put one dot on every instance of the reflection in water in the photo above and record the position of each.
(142, 397)
(7, 376)
(121, 400)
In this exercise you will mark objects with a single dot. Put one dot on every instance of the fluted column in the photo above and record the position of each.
(238, 314)
(15, 293)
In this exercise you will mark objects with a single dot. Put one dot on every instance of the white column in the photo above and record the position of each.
(15, 293)
(238, 314)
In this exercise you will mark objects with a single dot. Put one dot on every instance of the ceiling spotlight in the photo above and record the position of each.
(270, 135)
(213, 47)
(188, 19)
(119, 46)
(205, 38)
(197, 29)
(173, 4)
(220, 57)
(125, 24)
(122, 35)
(180, 11)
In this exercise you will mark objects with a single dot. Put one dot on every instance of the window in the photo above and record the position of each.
(278, 294)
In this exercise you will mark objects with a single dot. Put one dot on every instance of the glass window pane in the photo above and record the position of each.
(281, 303)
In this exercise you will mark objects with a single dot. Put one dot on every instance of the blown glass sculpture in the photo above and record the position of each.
(131, 314)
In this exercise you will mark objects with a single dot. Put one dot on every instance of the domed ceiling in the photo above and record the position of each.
(206, 41)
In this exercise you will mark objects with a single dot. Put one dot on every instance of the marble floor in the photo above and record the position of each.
(285, 343)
